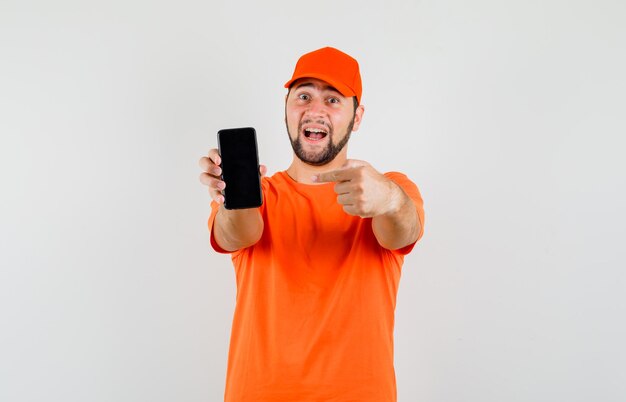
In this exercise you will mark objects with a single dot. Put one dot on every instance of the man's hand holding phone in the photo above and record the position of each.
(211, 175)
(232, 229)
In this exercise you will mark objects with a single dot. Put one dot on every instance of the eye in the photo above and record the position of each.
(304, 97)
(333, 100)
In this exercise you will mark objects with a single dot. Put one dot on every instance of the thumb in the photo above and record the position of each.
(354, 163)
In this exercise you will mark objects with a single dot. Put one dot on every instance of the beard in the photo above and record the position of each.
(327, 154)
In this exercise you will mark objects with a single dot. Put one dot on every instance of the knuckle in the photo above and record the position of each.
(213, 154)
(206, 179)
(218, 184)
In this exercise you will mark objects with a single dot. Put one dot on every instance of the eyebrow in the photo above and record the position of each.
(325, 88)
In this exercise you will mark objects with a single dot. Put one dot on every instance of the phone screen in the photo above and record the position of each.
(240, 168)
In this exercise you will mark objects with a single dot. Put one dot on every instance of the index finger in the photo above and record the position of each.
(334, 175)
(214, 155)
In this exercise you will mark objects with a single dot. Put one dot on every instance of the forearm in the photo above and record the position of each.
(237, 229)
(400, 226)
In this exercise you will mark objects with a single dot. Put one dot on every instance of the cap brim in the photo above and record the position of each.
(343, 89)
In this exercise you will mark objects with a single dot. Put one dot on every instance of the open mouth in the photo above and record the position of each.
(315, 134)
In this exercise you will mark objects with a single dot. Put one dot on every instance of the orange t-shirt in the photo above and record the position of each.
(315, 301)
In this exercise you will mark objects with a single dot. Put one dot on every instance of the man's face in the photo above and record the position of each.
(319, 120)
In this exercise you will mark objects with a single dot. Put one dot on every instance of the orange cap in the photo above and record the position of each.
(333, 66)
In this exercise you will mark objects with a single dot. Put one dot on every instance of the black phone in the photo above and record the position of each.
(240, 168)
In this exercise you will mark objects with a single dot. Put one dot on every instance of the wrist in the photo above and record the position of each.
(395, 199)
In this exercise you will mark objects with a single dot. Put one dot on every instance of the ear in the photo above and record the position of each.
(358, 116)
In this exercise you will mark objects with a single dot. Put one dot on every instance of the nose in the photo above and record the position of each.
(316, 108)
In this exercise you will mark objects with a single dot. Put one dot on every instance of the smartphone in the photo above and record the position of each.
(240, 168)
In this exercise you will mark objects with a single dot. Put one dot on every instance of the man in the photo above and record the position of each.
(318, 264)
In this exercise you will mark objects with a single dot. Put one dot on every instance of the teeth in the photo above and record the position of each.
(316, 130)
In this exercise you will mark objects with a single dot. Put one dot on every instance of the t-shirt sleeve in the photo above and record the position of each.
(414, 194)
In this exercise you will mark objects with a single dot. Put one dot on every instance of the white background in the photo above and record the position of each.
(509, 115)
